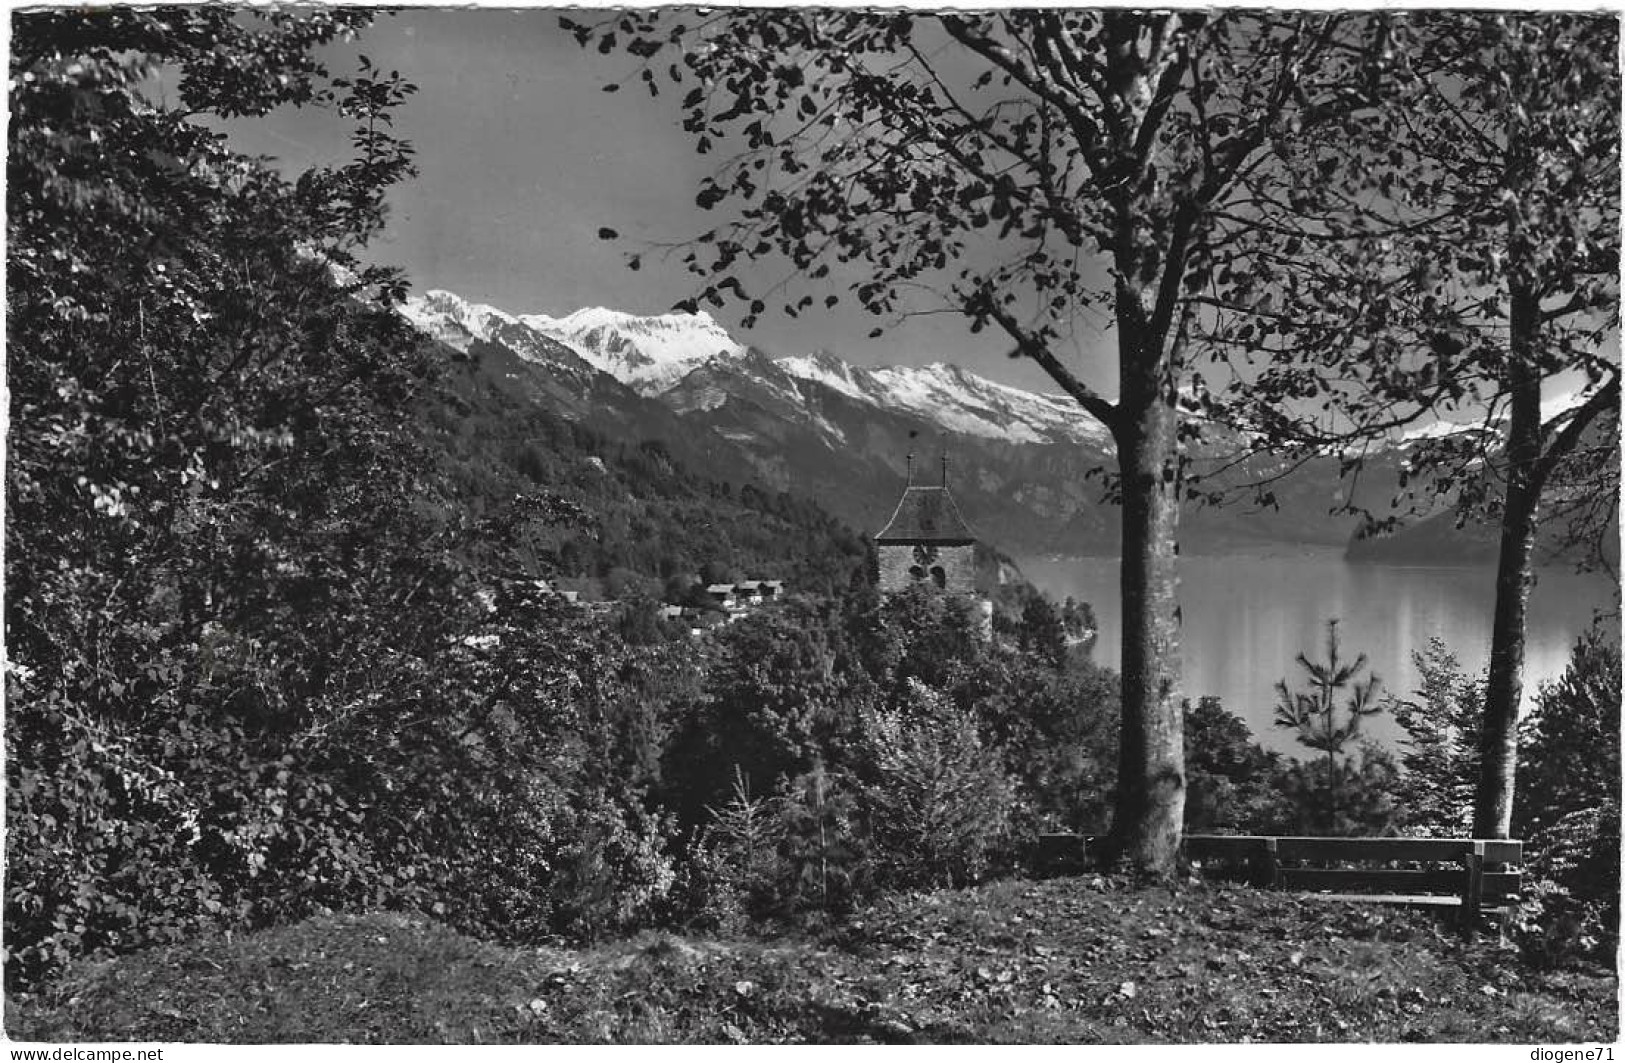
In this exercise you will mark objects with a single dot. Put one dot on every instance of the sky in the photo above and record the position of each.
(523, 158)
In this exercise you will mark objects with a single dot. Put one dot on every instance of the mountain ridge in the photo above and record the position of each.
(1027, 466)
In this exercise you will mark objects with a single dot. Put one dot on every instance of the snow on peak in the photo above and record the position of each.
(453, 320)
(650, 353)
(1439, 426)
(825, 368)
(954, 398)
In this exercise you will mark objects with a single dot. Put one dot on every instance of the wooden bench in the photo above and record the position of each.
(1484, 878)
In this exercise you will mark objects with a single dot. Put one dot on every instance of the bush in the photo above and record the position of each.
(1230, 780)
(1366, 783)
(934, 803)
(1568, 810)
(1440, 752)
(733, 869)
(1571, 901)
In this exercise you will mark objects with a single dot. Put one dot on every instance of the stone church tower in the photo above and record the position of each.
(927, 541)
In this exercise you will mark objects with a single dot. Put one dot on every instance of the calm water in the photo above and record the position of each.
(1247, 617)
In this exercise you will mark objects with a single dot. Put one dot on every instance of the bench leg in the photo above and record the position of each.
(1472, 898)
(1266, 866)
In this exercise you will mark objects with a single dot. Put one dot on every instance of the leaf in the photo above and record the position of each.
(607, 233)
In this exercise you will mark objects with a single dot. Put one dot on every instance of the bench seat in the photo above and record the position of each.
(1476, 875)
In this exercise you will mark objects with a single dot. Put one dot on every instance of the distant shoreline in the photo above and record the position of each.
(1310, 552)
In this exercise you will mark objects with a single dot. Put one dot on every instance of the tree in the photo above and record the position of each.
(1042, 630)
(1553, 86)
(1571, 750)
(1441, 725)
(1568, 805)
(1315, 714)
(207, 464)
(1469, 264)
(935, 803)
(1231, 777)
(779, 696)
(1027, 167)
(1365, 783)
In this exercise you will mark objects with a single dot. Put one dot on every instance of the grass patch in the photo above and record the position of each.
(1087, 960)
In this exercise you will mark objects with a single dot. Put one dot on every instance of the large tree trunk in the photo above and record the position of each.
(1151, 761)
(1150, 244)
(1498, 746)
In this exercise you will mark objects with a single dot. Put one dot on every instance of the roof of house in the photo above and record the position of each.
(927, 515)
(720, 588)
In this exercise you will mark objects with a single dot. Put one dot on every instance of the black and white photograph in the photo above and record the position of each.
(811, 525)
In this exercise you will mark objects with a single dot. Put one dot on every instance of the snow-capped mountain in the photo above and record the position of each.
(818, 426)
(959, 401)
(653, 355)
(649, 354)
(453, 320)
(1436, 427)
(459, 324)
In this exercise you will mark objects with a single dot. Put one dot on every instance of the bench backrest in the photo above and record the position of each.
(1482, 867)
(1325, 850)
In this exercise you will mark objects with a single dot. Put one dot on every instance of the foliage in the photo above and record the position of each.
(775, 701)
(1020, 168)
(1571, 905)
(206, 469)
(1570, 756)
(1427, 228)
(1365, 782)
(1055, 634)
(1463, 268)
(656, 528)
(934, 806)
(1237, 786)
(1053, 728)
(258, 667)
(791, 707)
(1314, 715)
(275, 639)
(1568, 806)
(795, 851)
(1440, 753)
(829, 859)
(1230, 780)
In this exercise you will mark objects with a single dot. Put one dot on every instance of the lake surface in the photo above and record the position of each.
(1247, 617)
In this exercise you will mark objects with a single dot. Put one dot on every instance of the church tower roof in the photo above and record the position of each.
(927, 515)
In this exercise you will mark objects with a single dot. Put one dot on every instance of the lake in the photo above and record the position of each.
(1247, 617)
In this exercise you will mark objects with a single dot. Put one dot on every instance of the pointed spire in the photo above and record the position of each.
(910, 469)
(945, 468)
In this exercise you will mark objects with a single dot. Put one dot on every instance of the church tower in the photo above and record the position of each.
(927, 541)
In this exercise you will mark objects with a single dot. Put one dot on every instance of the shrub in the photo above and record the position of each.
(1366, 781)
(1229, 778)
(1568, 808)
(1571, 901)
(934, 803)
(733, 869)
(1440, 754)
